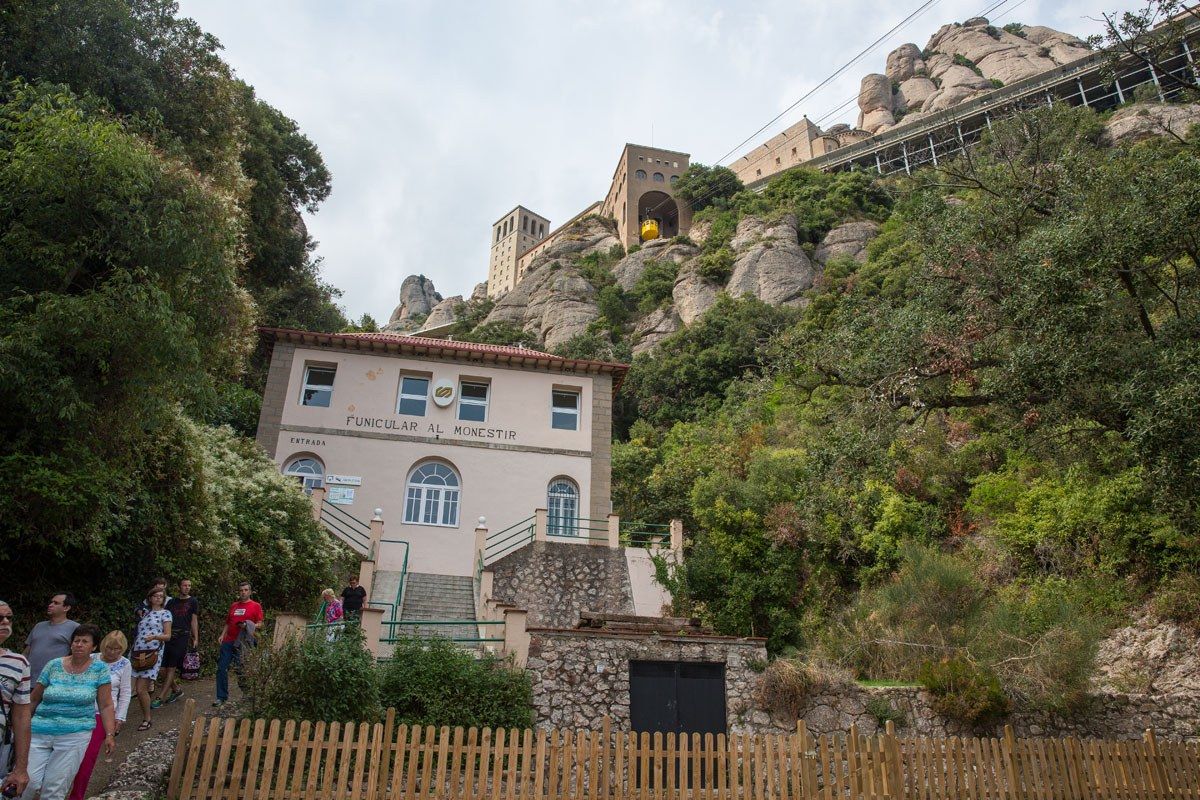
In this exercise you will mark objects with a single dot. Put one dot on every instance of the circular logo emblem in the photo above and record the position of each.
(443, 393)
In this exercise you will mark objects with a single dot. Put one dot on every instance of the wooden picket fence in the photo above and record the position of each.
(226, 758)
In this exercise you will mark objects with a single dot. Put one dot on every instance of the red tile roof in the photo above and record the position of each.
(465, 351)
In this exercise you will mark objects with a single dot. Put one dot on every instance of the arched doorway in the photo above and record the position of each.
(660, 207)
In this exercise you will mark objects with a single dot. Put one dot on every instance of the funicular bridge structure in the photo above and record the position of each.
(1092, 81)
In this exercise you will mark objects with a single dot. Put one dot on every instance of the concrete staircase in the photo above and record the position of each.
(434, 597)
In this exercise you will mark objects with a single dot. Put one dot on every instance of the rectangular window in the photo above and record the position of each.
(564, 411)
(414, 392)
(318, 386)
(472, 401)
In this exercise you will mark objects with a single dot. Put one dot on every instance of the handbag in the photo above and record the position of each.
(191, 665)
(143, 660)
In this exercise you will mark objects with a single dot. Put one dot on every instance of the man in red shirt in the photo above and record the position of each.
(243, 617)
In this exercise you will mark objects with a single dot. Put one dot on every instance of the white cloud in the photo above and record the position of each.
(435, 119)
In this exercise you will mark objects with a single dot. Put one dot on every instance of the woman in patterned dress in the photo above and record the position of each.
(152, 631)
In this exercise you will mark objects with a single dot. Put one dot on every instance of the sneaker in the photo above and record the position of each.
(173, 696)
(218, 703)
(157, 703)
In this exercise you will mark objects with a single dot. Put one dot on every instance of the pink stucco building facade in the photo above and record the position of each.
(439, 433)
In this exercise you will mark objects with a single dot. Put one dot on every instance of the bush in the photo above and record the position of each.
(964, 691)
(435, 682)
(310, 677)
(716, 266)
(787, 685)
(884, 712)
(655, 285)
(1016, 29)
(1178, 599)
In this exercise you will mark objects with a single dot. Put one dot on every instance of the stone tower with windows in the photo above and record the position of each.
(512, 234)
(643, 187)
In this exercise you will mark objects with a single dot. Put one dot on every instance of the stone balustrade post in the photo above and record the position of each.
(481, 533)
(677, 538)
(317, 497)
(541, 524)
(287, 623)
(366, 575)
(376, 534)
(516, 637)
(372, 627)
(614, 531)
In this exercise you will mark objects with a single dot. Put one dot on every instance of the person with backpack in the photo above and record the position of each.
(15, 688)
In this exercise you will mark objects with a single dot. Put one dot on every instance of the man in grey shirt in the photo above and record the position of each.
(52, 638)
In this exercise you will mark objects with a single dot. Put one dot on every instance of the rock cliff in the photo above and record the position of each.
(417, 299)
(553, 301)
(960, 61)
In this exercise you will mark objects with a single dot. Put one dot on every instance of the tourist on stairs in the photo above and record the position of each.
(242, 614)
(14, 700)
(185, 635)
(154, 629)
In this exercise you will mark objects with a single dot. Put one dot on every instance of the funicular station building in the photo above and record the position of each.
(490, 467)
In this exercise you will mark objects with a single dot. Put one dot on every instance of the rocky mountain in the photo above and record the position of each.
(417, 299)
(960, 61)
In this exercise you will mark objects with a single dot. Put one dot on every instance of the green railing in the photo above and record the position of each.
(436, 623)
(645, 534)
(596, 530)
(399, 602)
(505, 541)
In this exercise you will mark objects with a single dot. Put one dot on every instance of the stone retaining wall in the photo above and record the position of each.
(580, 676)
(555, 581)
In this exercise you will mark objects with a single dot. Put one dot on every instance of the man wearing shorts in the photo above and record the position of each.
(185, 633)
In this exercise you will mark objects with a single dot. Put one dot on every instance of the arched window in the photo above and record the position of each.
(658, 177)
(640, 174)
(432, 495)
(562, 505)
(674, 179)
(308, 471)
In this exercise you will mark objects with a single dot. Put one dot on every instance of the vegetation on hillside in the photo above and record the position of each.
(148, 214)
(965, 457)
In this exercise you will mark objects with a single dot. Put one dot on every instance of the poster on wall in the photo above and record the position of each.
(341, 495)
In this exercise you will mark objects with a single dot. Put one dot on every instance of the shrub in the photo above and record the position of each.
(964, 691)
(1178, 599)
(716, 266)
(963, 61)
(435, 682)
(655, 285)
(1016, 29)
(884, 712)
(787, 684)
(310, 677)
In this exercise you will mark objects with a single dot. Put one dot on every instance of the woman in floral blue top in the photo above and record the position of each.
(152, 631)
(64, 701)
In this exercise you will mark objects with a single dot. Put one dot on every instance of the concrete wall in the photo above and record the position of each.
(797, 144)
(626, 189)
(505, 464)
(649, 597)
(579, 677)
(554, 581)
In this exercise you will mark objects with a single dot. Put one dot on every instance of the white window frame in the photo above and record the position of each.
(473, 402)
(562, 509)
(424, 398)
(427, 500)
(309, 480)
(557, 410)
(317, 387)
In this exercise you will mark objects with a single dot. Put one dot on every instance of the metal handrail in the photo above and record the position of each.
(341, 528)
(492, 536)
(396, 606)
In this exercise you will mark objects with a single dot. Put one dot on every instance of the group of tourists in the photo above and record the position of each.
(66, 696)
(334, 609)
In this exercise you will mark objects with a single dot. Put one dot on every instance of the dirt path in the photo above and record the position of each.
(165, 718)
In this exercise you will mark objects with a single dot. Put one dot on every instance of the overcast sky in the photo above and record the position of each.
(436, 118)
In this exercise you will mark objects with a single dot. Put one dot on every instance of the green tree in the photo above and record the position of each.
(701, 186)
(687, 375)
